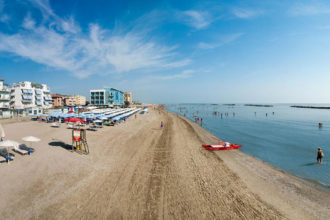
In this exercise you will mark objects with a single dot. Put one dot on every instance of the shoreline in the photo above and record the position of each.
(286, 188)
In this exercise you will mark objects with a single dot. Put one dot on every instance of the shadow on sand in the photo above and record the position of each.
(60, 144)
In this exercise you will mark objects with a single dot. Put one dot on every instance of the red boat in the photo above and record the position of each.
(221, 146)
(226, 146)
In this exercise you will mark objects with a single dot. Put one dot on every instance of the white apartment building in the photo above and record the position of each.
(5, 111)
(30, 97)
(98, 97)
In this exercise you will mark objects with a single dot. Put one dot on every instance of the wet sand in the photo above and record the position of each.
(137, 170)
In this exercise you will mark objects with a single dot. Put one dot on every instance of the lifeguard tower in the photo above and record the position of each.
(79, 141)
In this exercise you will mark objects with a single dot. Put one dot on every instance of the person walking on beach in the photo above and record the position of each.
(320, 155)
(161, 124)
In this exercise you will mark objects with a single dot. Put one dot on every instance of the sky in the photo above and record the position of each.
(171, 51)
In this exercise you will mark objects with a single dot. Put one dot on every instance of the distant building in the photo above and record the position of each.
(107, 97)
(31, 97)
(80, 100)
(69, 101)
(128, 97)
(98, 97)
(58, 100)
(115, 97)
(5, 111)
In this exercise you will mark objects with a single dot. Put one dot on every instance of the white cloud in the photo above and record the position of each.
(197, 19)
(183, 75)
(205, 46)
(312, 9)
(245, 13)
(44, 7)
(221, 41)
(28, 22)
(60, 43)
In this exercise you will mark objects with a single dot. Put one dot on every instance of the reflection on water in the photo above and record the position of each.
(285, 137)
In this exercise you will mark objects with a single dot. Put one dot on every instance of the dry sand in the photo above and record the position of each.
(137, 170)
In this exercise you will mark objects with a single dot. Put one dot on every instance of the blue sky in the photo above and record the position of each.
(171, 51)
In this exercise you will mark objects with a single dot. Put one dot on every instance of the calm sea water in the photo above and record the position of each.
(287, 139)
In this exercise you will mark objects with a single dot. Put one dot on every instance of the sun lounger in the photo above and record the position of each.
(55, 125)
(5, 154)
(70, 126)
(2, 159)
(20, 151)
(26, 148)
(92, 128)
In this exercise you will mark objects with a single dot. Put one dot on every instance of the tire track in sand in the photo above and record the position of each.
(155, 195)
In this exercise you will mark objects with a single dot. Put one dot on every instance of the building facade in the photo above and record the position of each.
(115, 97)
(58, 100)
(128, 97)
(69, 101)
(33, 97)
(107, 97)
(98, 97)
(80, 100)
(5, 111)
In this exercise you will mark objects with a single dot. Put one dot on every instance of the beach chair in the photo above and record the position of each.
(70, 126)
(55, 125)
(5, 154)
(26, 148)
(20, 151)
(92, 128)
(2, 160)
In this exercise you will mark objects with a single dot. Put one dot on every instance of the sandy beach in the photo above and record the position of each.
(137, 170)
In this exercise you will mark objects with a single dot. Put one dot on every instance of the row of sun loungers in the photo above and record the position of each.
(6, 156)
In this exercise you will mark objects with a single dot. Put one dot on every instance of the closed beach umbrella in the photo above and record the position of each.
(31, 139)
(2, 132)
(8, 143)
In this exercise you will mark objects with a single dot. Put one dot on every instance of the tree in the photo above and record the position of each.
(126, 104)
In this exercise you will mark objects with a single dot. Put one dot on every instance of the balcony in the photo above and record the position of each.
(27, 97)
(4, 97)
(38, 92)
(27, 91)
(5, 89)
(48, 98)
(4, 105)
(38, 98)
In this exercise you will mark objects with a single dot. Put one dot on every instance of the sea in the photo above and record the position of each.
(280, 135)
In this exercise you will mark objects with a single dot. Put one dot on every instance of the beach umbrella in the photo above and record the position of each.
(2, 132)
(74, 120)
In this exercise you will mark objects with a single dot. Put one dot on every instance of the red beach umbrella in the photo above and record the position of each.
(74, 120)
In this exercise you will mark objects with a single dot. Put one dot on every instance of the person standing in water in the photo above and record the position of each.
(320, 155)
